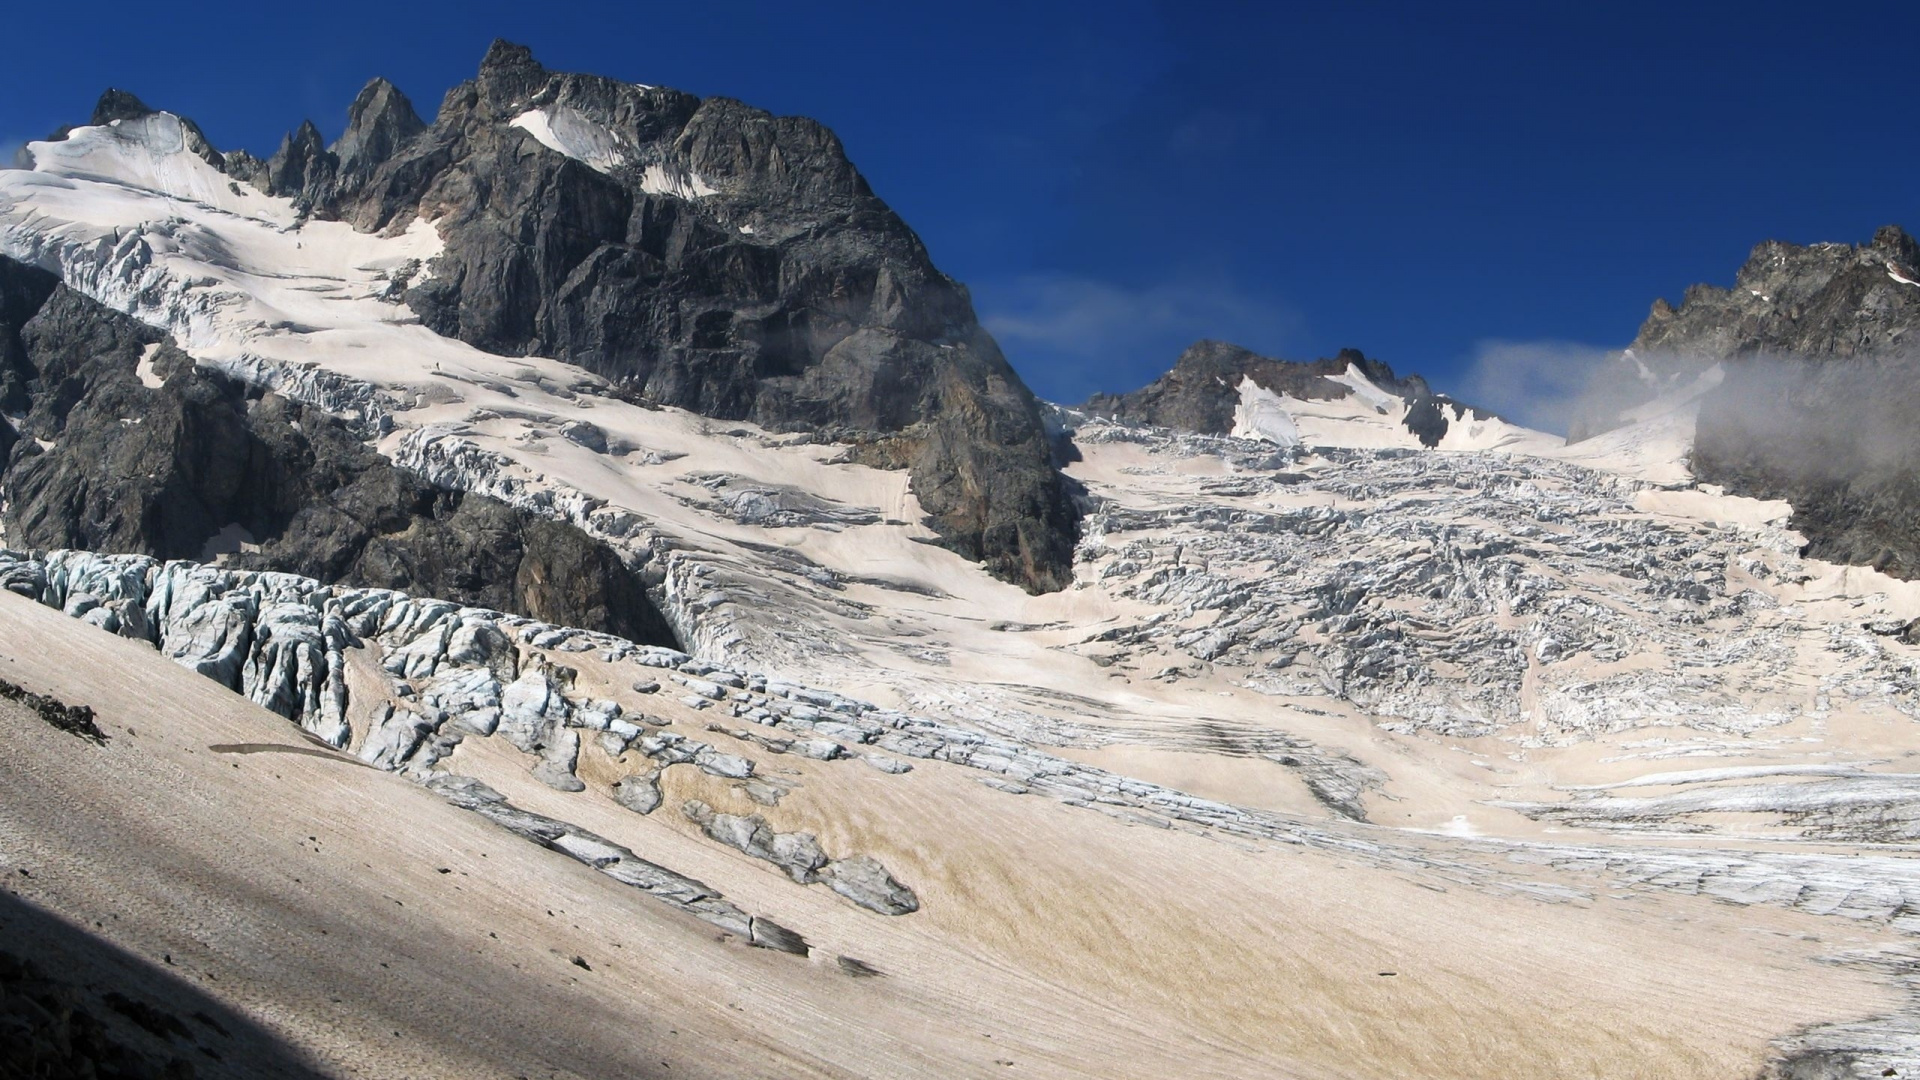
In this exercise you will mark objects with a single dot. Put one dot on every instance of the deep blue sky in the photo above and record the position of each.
(1485, 193)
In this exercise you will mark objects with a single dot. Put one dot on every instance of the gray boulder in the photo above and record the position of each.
(559, 751)
(531, 707)
(864, 881)
(639, 792)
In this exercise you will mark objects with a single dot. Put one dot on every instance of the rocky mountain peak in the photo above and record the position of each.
(701, 254)
(1203, 392)
(1897, 244)
(1804, 372)
(117, 104)
(379, 121)
(504, 55)
(711, 256)
(302, 166)
(1813, 302)
(509, 74)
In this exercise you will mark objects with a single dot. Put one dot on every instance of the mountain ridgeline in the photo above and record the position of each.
(1816, 350)
(1202, 392)
(705, 255)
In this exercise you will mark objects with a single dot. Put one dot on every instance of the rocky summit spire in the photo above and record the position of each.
(302, 166)
(504, 55)
(117, 104)
(379, 121)
(509, 72)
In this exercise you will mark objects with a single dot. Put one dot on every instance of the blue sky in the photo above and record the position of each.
(1489, 194)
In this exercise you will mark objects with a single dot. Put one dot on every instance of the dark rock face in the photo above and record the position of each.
(1836, 439)
(379, 122)
(22, 292)
(302, 164)
(715, 258)
(1820, 349)
(201, 465)
(117, 104)
(1202, 391)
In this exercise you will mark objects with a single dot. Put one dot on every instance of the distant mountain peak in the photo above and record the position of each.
(117, 104)
(1210, 388)
(380, 120)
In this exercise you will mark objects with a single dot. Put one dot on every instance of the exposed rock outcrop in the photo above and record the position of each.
(132, 448)
(23, 291)
(859, 878)
(75, 720)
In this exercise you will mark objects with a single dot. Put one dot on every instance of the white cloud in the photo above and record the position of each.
(10, 149)
(1535, 383)
(1071, 336)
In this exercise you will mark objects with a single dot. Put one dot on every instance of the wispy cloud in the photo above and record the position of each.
(1071, 336)
(10, 153)
(1535, 383)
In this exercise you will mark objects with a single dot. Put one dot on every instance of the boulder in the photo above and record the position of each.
(864, 881)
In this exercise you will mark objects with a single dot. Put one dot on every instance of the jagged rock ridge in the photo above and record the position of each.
(1814, 350)
(705, 255)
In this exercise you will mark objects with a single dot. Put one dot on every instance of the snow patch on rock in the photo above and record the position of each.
(148, 377)
(567, 131)
(1262, 414)
(677, 182)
